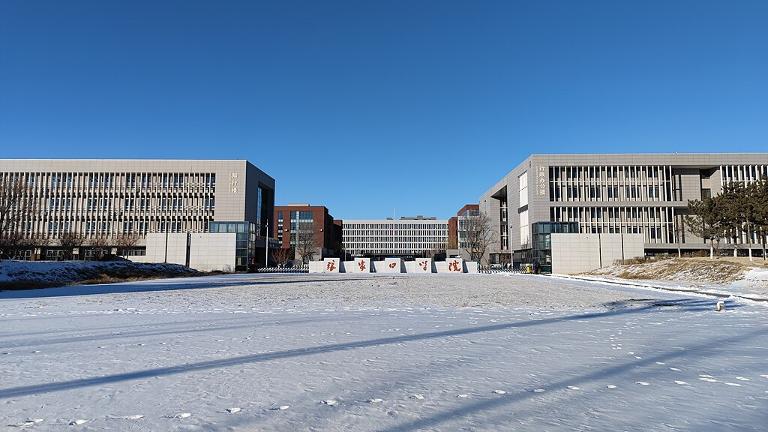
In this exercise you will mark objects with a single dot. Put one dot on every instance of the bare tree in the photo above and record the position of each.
(69, 241)
(281, 256)
(99, 245)
(478, 235)
(125, 242)
(16, 206)
(306, 241)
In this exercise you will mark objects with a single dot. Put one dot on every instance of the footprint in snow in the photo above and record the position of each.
(78, 422)
(233, 410)
(27, 423)
(129, 417)
(329, 402)
(643, 383)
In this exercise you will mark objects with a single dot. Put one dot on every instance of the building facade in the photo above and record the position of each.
(296, 220)
(110, 200)
(644, 194)
(408, 237)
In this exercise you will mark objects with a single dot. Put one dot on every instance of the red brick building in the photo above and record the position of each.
(327, 231)
(455, 225)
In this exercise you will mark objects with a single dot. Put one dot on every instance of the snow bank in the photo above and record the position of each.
(41, 274)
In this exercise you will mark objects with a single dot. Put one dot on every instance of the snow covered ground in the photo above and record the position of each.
(374, 352)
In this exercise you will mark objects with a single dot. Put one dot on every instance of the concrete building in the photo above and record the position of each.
(317, 220)
(112, 200)
(408, 237)
(644, 194)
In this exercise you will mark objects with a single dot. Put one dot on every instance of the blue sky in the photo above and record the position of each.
(373, 107)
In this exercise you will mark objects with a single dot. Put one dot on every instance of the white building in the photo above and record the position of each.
(407, 237)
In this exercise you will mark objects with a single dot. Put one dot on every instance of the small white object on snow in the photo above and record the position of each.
(375, 400)
(462, 396)
(642, 383)
(329, 402)
(611, 386)
(233, 410)
(539, 390)
(78, 422)
(417, 396)
(500, 392)
(681, 382)
(182, 415)
(720, 306)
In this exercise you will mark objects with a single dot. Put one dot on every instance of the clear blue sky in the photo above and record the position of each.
(368, 106)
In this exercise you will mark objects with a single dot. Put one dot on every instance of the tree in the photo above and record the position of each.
(704, 220)
(99, 245)
(16, 206)
(478, 235)
(69, 241)
(281, 256)
(306, 240)
(124, 242)
(759, 200)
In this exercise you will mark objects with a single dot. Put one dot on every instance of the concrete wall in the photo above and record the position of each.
(420, 265)
(359, 265)
(389, 265)
(177, 248)
(451, 265)
(577, 253)
(331, 265)
(212, 251)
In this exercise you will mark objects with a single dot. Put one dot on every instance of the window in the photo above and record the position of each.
(522, 179)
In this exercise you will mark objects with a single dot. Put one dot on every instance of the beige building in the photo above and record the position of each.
(407, 237)
(644, 194)
(114, 199)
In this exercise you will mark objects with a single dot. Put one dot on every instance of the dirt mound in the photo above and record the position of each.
(678, 269)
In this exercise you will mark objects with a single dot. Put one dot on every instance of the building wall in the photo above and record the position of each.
(632, 193)
(395, 237)
(114, 197)
(213, 251)
(327, 231)
(577, 253)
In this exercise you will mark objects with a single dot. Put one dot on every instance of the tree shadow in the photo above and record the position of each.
(162, 332)
(686, 304)
(202, 282)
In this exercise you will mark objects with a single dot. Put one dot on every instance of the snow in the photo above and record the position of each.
(52, 273)
(372, 352)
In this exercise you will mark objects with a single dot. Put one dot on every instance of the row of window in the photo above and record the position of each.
(162, 203)
(107, 180)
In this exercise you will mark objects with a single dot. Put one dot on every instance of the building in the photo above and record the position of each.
(108, 201)
(308, 220)
(621, 194)
(457, 227)
(408, 237)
